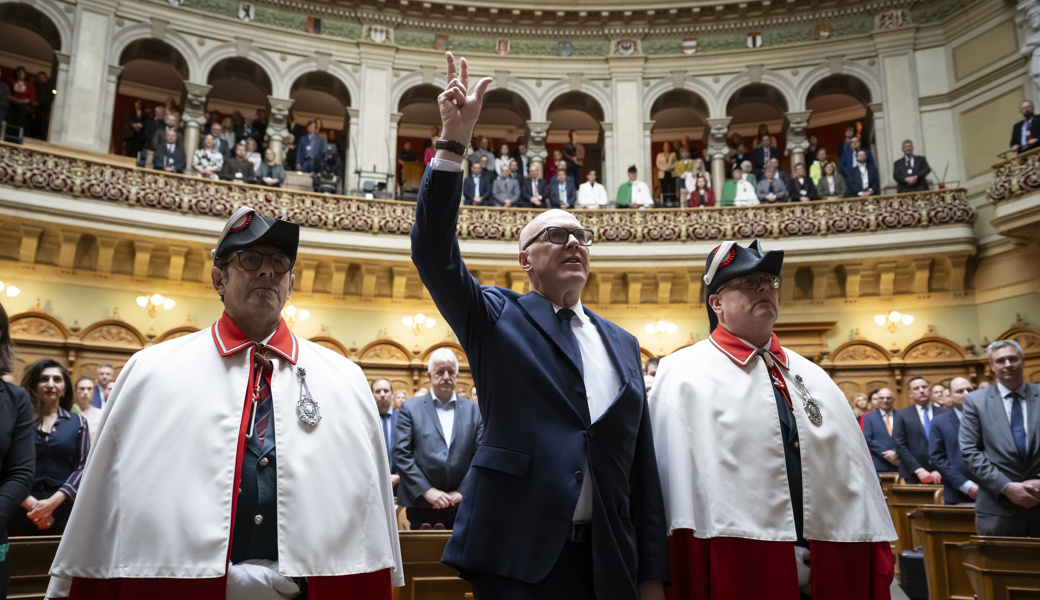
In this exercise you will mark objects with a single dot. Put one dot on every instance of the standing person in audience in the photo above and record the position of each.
(310, 151)
(289, 150)
(551, 166)
(428, 151)
(382, 393)
(522, 162)
(911, 432)
(227, 134)
(171, 123)
(17, 449)
(169, 156)
(62, 441)
(399, 397)
(1025, 135)
(259, 513)
(574, 154)
(83, 391)
(238, 169)
(665, 166)
(862, 180)
(813, 146)
(816, 169)
(488, 175)
(700, 194)
(475, 190)
(157, 122)
(760, 137)
(506, 190)
(296, 127)
(434, 443)
(260, 127)
(739, 155)
(103, 375)
(219, 142)
(134, 129)
(5, 100)
(592, 194)
(936, 392)
(762, 462)
(534, 191)
(503, 158)
(634, 193)
(561, 191)
(764, 154)
(253, 153)
(406, 154)
(860, 406)
(850, 132)
(514, 170)
(910, 171)
(23, 101)
(831, 185)
(847, 162)
(683, 166)
(770, 189)
(998, 440)
(945, 449)
(271, 173)
(567, 453)
(481, 150)
(650, 366)
(801, 188)
(877, 431)
(208, 162)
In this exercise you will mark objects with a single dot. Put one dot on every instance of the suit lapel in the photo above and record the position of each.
(431, 412)
(1033, 414)
(995, 413)
(541, 311)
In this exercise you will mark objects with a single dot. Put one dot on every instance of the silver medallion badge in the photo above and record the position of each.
(812, 409)
(307, 408)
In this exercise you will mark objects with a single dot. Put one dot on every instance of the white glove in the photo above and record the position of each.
(801, 562)
(259, 580)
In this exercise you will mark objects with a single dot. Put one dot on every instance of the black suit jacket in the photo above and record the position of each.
(794, 192)
(854, 183)
(911, 442)
(518, 504)
(900, 171)
(554, 194)
(761, 158)
(525, 193)
(470, 191)
(1016, 134)
(17, 452)
(162, 158)
(945, 449)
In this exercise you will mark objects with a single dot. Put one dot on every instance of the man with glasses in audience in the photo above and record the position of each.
(216, 462)
(761, 458)
(563, 498)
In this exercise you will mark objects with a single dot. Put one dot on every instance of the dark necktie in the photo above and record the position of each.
(1018, 427)
(927, 422)
(386, 428)
(263, 401)
(569, 339)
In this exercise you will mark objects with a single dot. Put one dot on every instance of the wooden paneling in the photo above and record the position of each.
(941, 530)
(31, 559)
(425, 576)
(1003, 568)
(904, 499)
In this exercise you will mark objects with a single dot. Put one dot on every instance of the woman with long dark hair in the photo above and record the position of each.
(17, 455)
(62, 441)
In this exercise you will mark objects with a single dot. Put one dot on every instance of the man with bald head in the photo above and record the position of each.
(958, 487)
(563, 499)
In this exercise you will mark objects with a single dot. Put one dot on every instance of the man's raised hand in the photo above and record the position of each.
(459, 108)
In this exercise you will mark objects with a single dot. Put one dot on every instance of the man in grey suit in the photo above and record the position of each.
(436, 437)
(1000, 442)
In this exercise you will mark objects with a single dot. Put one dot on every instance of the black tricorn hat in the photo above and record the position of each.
(729, 261)
(247, 228)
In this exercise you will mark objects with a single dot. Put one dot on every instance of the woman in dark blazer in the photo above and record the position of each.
(17, 455)
(62, 441)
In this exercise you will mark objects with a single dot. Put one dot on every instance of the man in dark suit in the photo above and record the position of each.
(911, 431)
(476, 189)
(169, 155)
(764, 153)
(910, 171)
(436, 437)
(383, 393)
(562, 397)
(800, 188)
(958, 488)
(1000, 441)
(523, 164)
(562, 193)
(534, 192)
(1025, 135)
(877, 430)
(310, 151)
(219, 143)
(862, 180)
(848, 157)
(171, 122)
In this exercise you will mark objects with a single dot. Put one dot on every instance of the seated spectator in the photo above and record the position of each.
(534, 191)
(910, 171)
(561, 191)
(503, 158)
(407, 154)
(480, 151)
(1025, 135)
(171, 122)
(475, 189)
(816, 169)
(738, 184)
(945, 450)
(252, 154)
(553, 165)
(700, 194)
(506, 190)
(592, 194)
(219, 141)
(310, 150)
(83, 395)
(764, 153)
(863, 179)
(169, 156)
(801, 188)
(227, 136)
(748, 171)
(238, 169)
(770, 189)
(514, 170)
(780, 173)
(831, 185)
(683, 166)
(207, 162)
(271, 173)
(848, 161)
(634, 193)
(62, 442)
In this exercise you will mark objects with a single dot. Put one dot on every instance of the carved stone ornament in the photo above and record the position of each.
(931, 351)
(35, 327)
(385, 352)
(860, 353)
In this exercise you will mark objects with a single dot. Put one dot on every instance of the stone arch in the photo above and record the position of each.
(768, 78)
(403, 85)
(696, 87)
(113, 332)
(306, 66)
(266, 64)
(540, 110)
(57, 23)
(143, 31)
(865, 76)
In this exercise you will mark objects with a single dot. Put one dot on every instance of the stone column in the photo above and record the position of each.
(61, 85)
(648, 161)
(85, 88)
(277, 124)
(395, 122)
(374, 132)
(795, 124)
(896, 55)
(715, 131)
(632, 139)
(607, 176)
(194, 116)
(350, 178)
(537, 131)
(108, 103)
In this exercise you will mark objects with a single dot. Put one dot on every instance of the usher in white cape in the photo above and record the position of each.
(718, 441)
(155, 500)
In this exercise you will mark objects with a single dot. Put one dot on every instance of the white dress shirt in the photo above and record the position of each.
(1021, 391)
(592, 195)
(863, 177)
(602, 384)
(446, 415)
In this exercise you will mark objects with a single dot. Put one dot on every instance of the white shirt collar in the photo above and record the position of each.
(578, 311)
(1021, 391)
(443, 405)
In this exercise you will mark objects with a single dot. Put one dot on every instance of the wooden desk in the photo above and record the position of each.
(1001, 568)
(940, 530)
(887, 481)
(904, 499)
(31, 559)
(425, 577)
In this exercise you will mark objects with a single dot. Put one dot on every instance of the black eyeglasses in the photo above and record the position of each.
(561, 235)
(251, 260)
(752, 282)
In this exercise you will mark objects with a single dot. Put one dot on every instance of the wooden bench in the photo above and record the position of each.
(425, 576)
(31, 559)
(940, 531)
(887, 481)
(904, 499)
(1002, 568)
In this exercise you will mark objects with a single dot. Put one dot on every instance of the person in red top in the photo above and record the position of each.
(23, 99)
(701, 195)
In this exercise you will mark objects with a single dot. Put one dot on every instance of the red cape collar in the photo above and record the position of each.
(230, 339)
(741, 352)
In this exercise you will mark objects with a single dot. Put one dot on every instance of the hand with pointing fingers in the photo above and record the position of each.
(459, 108)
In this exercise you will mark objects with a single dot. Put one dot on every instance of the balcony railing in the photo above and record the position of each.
(62, 171)
(1015, 177)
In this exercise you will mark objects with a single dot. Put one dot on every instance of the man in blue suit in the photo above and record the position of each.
(847, 159)
(310, 151)
(911, 430)
(958, 488)
(383, 393)
(563, 499)
(476, 189)
(877, 430)
(561, 191)
(862, 180)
